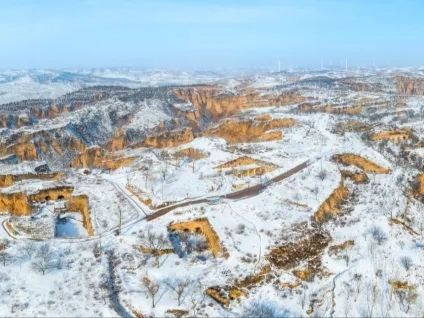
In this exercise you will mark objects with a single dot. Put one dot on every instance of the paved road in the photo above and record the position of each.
(245, 193)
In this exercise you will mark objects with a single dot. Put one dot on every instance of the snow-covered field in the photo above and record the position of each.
(372, 264)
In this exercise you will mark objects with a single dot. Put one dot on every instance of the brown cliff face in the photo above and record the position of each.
(409, 86)
(80, 203)
(117, 142)
(23, 150)
(192, 153)
(169, 139)
(250, 130)
(97, 157)
(331, 109)
(57, 193)
(15, 203)
(210, 102)
(36, 113)
(331, 206)
(395, 136)
(32, 146)
(19, 203)
(9, 179)
(360, 162)
(420, 189)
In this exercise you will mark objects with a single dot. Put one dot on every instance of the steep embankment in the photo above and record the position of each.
(10, 179)
(409, 85)
(96, 157)
(169, 139)
(360, 162)
(392, 135)
(234, 131)
(331, 207)
(211, 102)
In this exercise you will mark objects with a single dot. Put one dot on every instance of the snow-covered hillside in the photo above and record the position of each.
(150, 194)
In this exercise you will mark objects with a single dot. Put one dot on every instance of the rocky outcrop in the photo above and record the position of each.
(409, 85)
(98, 158)
(169, 139)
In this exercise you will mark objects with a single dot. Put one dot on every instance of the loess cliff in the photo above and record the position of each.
(96, 157)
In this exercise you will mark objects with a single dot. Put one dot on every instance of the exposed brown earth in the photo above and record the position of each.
(352, 126)
(234, 131)
(292, 254)
(395, 136)
(261, 167)
(117, 142)
(192, 153)
(331, 207)
(409, 85)
(21, 204)
(211, 102)
(224, 295)
(169, 139)
(203, 227)
(337, 249)
(80, 203)
(96, 157)
(15, 203)
(331, 109)
(10, 179)
(41, 143)
(360, 162)
(357, 177)
(420, 189)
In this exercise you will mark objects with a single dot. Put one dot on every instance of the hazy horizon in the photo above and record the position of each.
(210, 35)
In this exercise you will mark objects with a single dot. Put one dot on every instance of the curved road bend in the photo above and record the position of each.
(245, 193)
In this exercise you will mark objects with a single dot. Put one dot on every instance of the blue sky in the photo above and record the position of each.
(206, 34)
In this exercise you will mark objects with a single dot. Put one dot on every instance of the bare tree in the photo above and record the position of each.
(155, 243)
(179, 286)
(195, 300)
(45, 259)
(406, 262)
(4, 257)
(378, 235)
(405, 298)
(152, 289)
(28, 249)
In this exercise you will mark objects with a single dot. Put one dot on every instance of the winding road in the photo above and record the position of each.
(154, 214)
